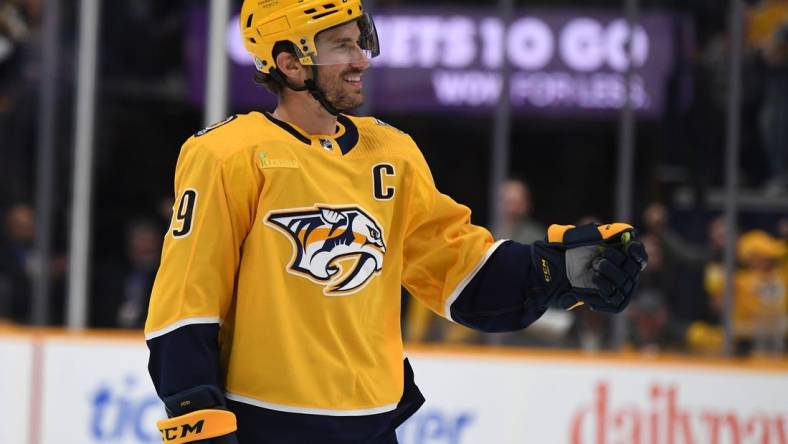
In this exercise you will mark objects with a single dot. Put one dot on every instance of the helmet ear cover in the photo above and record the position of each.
(274, 80)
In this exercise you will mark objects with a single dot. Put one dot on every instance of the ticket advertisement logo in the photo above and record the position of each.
(94, 392)
(124, 412)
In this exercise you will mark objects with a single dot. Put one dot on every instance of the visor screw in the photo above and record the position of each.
(305, 48)
(303, 41)
(264, 63)
(349, 11)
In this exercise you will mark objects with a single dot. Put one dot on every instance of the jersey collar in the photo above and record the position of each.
(346, 135)
(289, 128)
(349, 138)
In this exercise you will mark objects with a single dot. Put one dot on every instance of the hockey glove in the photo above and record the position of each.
(595, 265)
(198, 416)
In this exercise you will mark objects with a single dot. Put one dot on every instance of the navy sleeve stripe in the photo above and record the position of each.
(185, 358)
(467, 280)
(501, 294)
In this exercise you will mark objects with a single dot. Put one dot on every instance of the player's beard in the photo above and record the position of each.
(342, 95)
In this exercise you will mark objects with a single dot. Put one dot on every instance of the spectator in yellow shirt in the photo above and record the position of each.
(760, 302)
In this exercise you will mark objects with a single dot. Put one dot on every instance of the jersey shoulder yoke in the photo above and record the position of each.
(231, 135)
(375, 132)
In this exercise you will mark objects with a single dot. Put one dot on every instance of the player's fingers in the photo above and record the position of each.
(632, 252)
(614, 289)
(608, 292)
(629, 265)
(614, 255)
(617, 298)
(604, 286)
(610, 278)
(637, 252)
(612, 272)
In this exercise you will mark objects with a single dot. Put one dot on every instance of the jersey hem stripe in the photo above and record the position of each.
(182, 323)
(308, 410)
(464, 283)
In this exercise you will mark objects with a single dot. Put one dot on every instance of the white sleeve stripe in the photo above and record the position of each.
(182, 323)
(310, 410)
(464, 283)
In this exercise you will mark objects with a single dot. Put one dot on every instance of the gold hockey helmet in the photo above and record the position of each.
(266, 22)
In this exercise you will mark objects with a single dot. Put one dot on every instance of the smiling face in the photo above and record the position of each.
(341, 82)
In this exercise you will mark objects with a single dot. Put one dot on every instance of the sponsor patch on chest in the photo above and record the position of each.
(268, 162)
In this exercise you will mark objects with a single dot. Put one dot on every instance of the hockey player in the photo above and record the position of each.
(275, 313)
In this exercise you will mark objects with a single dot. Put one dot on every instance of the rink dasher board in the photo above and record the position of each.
(88, 389)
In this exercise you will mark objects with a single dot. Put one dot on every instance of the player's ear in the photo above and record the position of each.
(289, 65)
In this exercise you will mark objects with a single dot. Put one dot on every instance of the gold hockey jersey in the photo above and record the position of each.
(298, 244)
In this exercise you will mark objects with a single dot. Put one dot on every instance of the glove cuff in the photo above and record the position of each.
(197, 426)
(549, 274)
(198, 414)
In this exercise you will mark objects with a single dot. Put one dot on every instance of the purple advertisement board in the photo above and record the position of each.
(561, 62)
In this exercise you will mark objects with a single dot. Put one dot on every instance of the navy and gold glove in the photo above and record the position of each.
(594, 265)
(198, 415)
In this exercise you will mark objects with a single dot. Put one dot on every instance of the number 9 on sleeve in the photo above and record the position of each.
(184, 216)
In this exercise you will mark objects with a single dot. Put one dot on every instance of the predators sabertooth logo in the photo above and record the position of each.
(340, 248)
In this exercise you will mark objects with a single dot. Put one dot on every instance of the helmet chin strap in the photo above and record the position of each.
(309, 85)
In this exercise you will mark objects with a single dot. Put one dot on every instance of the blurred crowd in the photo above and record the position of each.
(764, 163)
(144, 116)
(767, 39)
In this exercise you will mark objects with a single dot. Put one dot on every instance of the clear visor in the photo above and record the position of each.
(347, 44)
